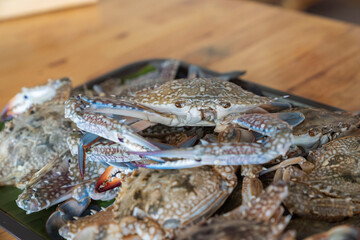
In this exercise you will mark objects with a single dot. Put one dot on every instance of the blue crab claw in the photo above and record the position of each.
(88, 139)
(292, 118)
(113, 177)
(179, 164)
(125, 108)
(211, 154)
(65, 212)
(108, 180)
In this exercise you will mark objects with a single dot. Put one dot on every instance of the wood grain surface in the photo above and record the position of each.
(302, 54)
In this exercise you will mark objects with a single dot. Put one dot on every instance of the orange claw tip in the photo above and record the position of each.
(6, 113)
(107, 181)
(14, 107)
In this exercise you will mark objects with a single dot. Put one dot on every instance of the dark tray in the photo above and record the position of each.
(32, 226)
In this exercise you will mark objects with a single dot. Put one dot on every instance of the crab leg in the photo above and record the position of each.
(126, 108)
(114, 175)
(85, 142)
(64, 213)
(107, 127)
(215, 154)
(278, 142)
(305, 165)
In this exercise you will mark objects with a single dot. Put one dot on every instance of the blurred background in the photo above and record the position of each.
(345, 10)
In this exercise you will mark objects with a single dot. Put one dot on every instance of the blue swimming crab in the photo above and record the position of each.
(60, 180)
(153, 203)
(328, 185)
(321, 126)
(186, 102)
(36, 136)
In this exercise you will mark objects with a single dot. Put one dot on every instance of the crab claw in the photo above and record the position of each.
(111, 178)
(7, 113)
(211, 154)
(179, 164)
(65, 212)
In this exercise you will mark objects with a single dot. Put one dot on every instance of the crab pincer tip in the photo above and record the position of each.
(6, 113)
(106, 182)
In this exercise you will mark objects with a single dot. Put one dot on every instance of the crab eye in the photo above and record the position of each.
(225, 104)
(179, 104)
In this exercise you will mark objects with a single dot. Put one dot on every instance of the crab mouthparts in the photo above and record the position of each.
(208, 114)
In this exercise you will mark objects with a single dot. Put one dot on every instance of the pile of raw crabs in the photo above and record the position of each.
(172, 151)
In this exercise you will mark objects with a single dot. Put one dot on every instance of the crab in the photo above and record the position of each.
(187, 102)
(149, 207)
(338, 232)
(261, 218)
(55, 91)
(321, 126)
(306, 228)
(60, 180)
(33, 138)
(55, 182)
(328, 186)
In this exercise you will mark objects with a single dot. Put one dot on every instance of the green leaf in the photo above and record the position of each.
(104, 204)
(141, 72)
(35, 221)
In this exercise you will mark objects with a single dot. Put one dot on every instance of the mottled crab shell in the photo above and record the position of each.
(170, 198)
(48, 186)
(331, 190)
(157, 193)
(208, 95)
(32, 140)
(59, 180)
(321, 126)
(337, 168)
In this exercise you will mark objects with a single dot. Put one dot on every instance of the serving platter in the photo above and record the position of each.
(32, 226)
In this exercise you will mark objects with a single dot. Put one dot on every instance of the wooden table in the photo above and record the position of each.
(302, 54)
